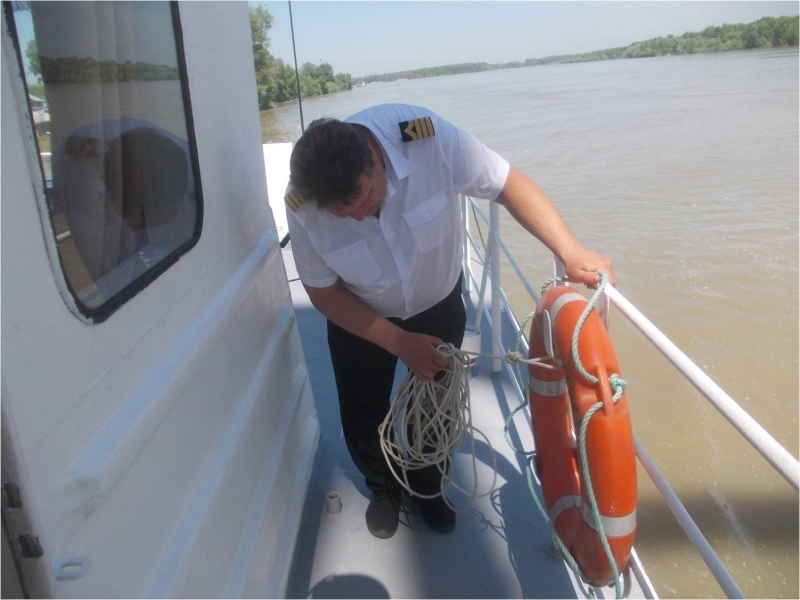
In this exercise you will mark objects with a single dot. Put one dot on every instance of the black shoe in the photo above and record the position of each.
(437, 515)
(383, 514)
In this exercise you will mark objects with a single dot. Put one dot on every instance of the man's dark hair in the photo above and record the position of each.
(327, 161)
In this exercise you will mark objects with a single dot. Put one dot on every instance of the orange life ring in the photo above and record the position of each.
(559, 399)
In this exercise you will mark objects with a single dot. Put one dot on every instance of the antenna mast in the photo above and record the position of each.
(296, 71)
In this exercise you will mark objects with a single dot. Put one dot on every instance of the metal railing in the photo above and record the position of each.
(773, 452)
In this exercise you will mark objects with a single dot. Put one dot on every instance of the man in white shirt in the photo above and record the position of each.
(375, 227)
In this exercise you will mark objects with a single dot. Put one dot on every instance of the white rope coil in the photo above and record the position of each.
(439, 416)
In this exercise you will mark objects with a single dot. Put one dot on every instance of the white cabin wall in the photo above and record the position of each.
(172, 444)
(22, 302)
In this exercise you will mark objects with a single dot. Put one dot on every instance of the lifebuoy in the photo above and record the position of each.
(559, 399)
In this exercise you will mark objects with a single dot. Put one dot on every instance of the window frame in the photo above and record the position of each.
(103, 312)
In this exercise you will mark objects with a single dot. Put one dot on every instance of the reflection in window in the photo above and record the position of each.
(107, 102)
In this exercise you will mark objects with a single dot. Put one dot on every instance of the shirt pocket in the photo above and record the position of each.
(430, 222)
(354, 264)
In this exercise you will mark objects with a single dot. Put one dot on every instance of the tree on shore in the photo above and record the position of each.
(275, 79)
(768, 32)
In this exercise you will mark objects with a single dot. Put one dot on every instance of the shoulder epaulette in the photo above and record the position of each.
(293, 200)
(416, 129)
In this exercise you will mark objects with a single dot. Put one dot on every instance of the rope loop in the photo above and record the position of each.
(598, 521)
(512, 357)
(618, 384)
(551, 281)
(446, 350)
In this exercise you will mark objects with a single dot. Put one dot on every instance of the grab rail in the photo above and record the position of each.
(780, 458)
(766, 445)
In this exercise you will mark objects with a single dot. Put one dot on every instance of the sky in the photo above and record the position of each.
(366, 38)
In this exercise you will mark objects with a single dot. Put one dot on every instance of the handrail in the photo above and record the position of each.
(780, 458)
(687, 523)
(772, 451)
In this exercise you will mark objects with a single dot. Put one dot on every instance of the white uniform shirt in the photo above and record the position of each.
(409, 258)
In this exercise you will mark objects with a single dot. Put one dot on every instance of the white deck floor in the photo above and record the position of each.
(500, 549)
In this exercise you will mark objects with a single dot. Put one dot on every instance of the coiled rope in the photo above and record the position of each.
(437, 415)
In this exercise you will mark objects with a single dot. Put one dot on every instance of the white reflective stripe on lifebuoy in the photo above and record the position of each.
(612, 526)
(563, 504)
(547, 332)
(562, 300)
(548, 389)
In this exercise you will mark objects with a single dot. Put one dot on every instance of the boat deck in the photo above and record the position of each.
(500, 549)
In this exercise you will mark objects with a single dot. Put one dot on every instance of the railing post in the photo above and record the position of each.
(559, 270)
(465, 241)
(494, 243)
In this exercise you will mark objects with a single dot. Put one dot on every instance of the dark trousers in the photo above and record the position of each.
(364, 376)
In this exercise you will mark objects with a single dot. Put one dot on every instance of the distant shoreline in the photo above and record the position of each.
(768, 32)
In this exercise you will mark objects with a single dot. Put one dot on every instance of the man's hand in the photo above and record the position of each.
(582, 266)
(418, 352)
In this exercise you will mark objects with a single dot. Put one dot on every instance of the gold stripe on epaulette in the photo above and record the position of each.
(293, 200)
(416, 129)
(427, 127)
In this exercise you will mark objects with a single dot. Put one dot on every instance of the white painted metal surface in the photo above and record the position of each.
(165, 451)
(276, 163)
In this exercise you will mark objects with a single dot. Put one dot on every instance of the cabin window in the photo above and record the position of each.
(109, 102)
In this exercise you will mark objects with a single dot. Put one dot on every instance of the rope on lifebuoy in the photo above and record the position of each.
(618, 386)
(617, 383)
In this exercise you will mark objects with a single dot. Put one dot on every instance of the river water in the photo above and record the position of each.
(683, 169)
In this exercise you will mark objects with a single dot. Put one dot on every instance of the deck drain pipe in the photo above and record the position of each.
(333, 503)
